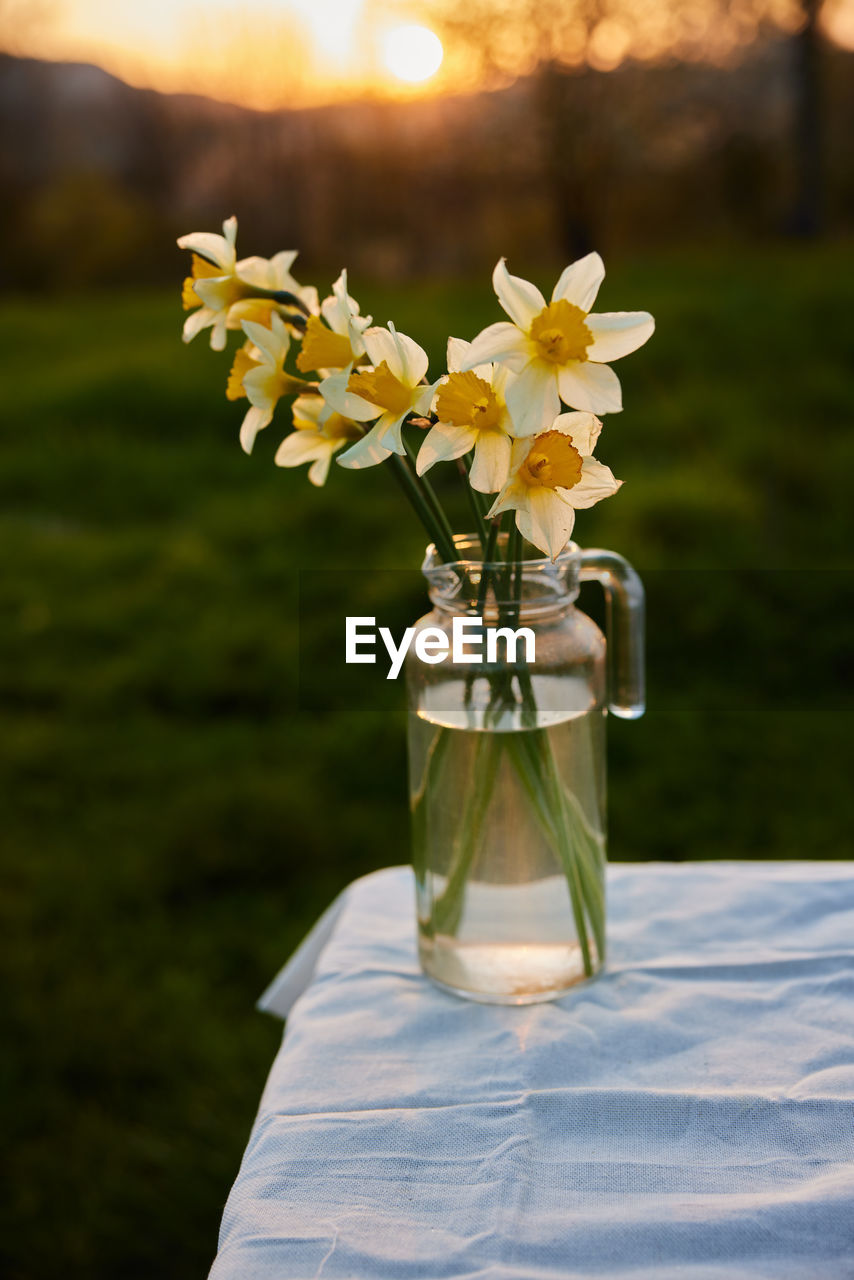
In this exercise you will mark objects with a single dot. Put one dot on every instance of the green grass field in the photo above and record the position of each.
(173, 820)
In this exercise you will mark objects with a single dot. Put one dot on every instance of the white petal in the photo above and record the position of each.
(335, 393)
(458, 350)
(229, 230)
(533, 400)
(310, 409)
(597, 482)
(443, 443)
(319, 470)
(503, 342)
(307, 295)
(519, 298)
(501, 379)
(519, 452)
(390, 426)
(339, 291)
(263, 386)
(214, 248)
(255, 271)
(330, 309)
(196, 321)
(546, 520)
(301, 446)
(413, 358)
(422, 398)
(618, 333)
(281, 264)
(219, 334)
(214, 291)
(274, 344)
(381, 346)
(268, 273)
(281, 331)
(508, 499)
(592, 387)
(255, 421)
(353, 333)
(366, 452)
(583, 430)
(339, 308)
(491, 465)
(579, 283)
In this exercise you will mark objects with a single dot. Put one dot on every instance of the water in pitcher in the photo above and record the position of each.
(497, 916)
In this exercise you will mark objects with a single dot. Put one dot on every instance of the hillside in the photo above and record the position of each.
(535, 170)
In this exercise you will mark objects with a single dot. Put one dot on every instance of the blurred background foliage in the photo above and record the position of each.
(174, 816)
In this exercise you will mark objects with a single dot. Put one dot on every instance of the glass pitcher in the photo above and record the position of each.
(509, 685)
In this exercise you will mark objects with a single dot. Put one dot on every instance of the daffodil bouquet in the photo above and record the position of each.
(518, 412)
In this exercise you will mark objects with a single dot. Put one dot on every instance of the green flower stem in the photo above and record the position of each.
(492, 539)
(581, 875)
(448, 908)
(514, 559)
(556, 809)
(541, 777)
(483, 592)
(429, 496)
(559, 816)
(534, 761)
(482, 500)
(430, 778)
(474, 507)
(583, 849)
(284, 297)
(408, 482)
(582, 846)
(488, 558)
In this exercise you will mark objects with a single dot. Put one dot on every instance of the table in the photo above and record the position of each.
(687, 1116)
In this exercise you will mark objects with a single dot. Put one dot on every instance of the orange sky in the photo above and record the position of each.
(259, 52)
(268, 53)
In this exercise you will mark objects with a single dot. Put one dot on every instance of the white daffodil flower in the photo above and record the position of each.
(319, 433)
(472, 414)
(338, 342)
(388, 391)
(552, 474)
(245, 358)
(219, 289)
(214, 263)
(274, 274)
(559, 350)
(265, 381)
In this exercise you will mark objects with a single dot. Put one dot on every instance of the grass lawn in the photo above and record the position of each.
(174, 819)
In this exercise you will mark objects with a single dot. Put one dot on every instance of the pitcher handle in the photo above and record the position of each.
(624, 627)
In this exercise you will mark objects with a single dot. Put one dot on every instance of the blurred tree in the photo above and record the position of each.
(807, 211)
(549, 40)
(105, 223)
(553, 40)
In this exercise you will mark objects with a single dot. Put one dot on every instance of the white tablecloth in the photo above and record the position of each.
(687, 1116)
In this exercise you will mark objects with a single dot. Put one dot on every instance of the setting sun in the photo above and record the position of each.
(412, 53)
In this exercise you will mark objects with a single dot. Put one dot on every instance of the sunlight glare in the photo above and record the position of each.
(412, 53)
(333, 25)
